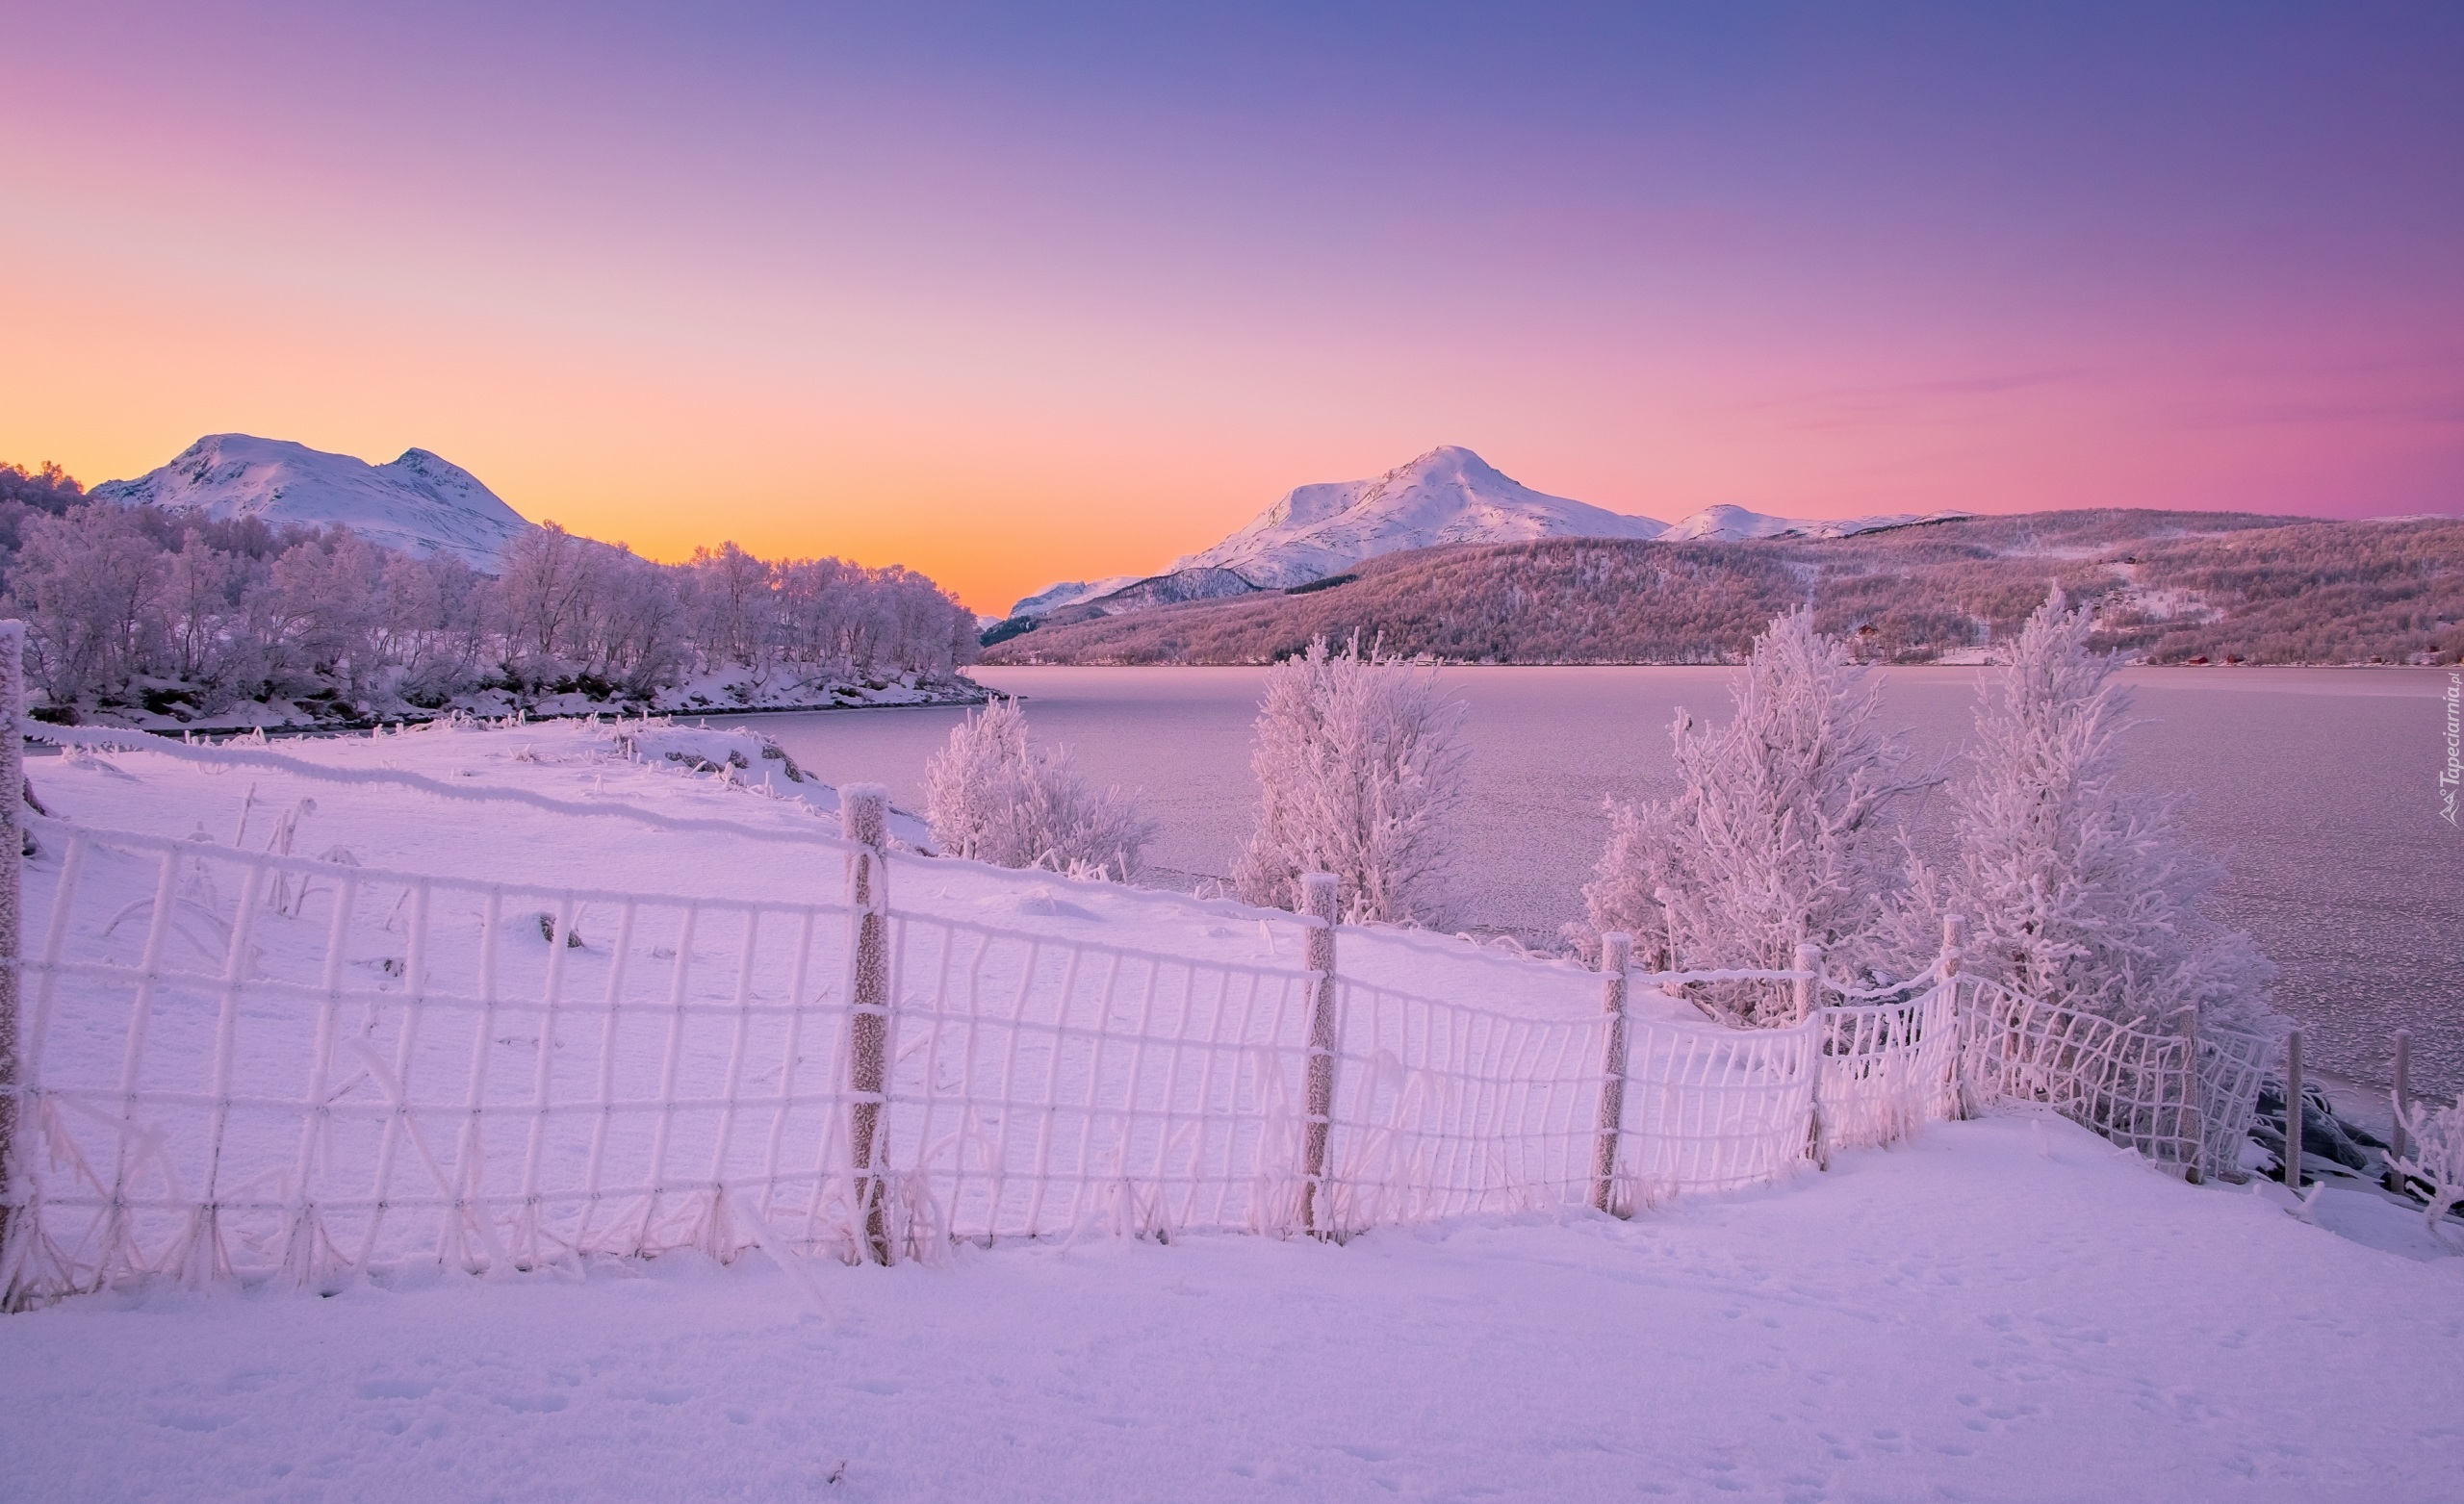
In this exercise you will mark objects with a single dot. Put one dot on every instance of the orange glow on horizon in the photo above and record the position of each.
(1008, 334)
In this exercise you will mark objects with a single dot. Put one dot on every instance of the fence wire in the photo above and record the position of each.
(252, 1065)
(2182, 1101)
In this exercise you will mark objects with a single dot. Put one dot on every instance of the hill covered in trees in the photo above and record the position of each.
(146, 616)
(2165, 587)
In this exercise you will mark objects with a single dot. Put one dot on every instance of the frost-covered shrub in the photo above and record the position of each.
(1773, 839)
(2437, 1156)
(2077, 893)
(993, 798)
(1359, 765)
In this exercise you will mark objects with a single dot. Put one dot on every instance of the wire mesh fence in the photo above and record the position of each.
(2183, 1100)
(255, 1065)
(1888, 1068)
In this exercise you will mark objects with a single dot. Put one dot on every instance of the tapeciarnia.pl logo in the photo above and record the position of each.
(2452, 774)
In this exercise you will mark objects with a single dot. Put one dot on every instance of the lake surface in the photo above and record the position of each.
(2318, 785)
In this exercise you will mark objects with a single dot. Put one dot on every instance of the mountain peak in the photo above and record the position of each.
(420, 503)
(1447, 494)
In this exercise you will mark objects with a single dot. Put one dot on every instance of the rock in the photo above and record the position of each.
(2325, 1138)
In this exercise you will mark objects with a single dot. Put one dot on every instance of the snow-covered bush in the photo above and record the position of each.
(2436, 1141)
(991, 798)
(1772, 840)
(2077, 893)
(1359, 764)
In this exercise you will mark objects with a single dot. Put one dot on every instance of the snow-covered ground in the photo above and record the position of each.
(2004, 1309)
(667, 769)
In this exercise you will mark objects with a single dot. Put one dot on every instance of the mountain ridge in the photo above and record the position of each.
(1447, 496)
(2166, 587)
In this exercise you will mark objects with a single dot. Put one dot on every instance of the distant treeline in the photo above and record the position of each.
(2166, 587)
(129, 606)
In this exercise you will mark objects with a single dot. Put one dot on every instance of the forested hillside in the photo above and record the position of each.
(2167, 587)
(135, 613)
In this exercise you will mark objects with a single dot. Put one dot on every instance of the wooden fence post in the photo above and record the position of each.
(1808, 993)
(863, 817)
(1616, 952)
(2396, 1144)
(1965, 1101)
(1320, 899)
(12, 795)
(2293, 1111)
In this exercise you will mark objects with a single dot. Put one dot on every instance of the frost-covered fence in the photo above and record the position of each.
(2182, 1102)
(1888, 1069)
(390, 1067)
(491, 1075)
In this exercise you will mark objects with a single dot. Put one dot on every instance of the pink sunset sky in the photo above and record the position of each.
(1015, 297)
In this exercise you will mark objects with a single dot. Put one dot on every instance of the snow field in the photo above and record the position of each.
(2001, 1310)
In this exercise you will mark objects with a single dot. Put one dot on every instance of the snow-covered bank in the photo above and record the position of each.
(2003, 1310)
(705, 694)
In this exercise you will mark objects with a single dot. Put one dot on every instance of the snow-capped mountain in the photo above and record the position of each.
(420, 503)
(1448, 495)
(1729, 523)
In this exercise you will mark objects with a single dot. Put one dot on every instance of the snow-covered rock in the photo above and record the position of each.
(420, 503)
(1448, 495)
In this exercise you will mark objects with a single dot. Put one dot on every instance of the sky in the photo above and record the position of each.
(1013, 295)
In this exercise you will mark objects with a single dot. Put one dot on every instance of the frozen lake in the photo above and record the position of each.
(2317, 784)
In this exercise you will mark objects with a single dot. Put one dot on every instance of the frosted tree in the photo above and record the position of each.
(990, 797)
(236, 608)
(89, 585)
(1773, 839)
(1359, 764)
(2078, 893)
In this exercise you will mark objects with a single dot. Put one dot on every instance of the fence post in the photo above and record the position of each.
(2397, 1146)
(1808, 997)
(12, 785)
(1319, 897)
(863, 817)
(1966, 1102)
(2293, 1111)
(1616, 952)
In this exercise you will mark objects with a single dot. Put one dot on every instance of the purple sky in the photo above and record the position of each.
(1013, 297)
